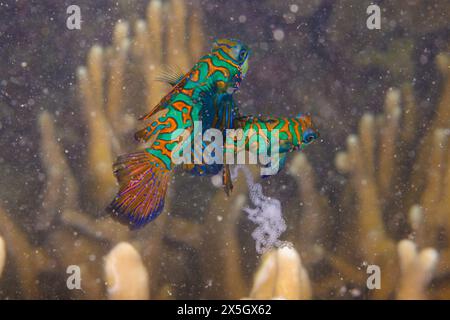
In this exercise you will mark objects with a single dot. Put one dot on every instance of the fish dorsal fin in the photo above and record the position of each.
(170, 74)
(163, 103)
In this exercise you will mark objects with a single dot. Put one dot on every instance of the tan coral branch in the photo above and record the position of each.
(387, 142)
(196, 35)
(115, 86)
(28, 260)
(430, 200)
(440, 120)
(370, 222)
(100, 158)
(176, 35)
(222, 245)
(281, 275)
(2, 255)
(416, 270)
(103, 228)
(125, 274)
(61, 189)
(312, 225)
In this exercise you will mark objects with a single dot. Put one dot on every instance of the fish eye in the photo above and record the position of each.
(242, 54)
(309, 137)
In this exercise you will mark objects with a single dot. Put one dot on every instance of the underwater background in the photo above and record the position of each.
(375, 191)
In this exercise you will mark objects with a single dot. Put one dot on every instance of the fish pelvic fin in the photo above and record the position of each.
(143, 181)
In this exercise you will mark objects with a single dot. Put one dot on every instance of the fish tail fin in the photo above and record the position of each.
(143, 181)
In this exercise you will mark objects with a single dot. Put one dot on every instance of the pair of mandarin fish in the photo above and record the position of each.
(203, 94)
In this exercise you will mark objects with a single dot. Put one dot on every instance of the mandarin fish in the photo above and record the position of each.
(220, 113)
(143, 176)
(293, 133)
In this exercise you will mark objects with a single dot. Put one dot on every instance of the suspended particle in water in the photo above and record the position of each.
(278, 34)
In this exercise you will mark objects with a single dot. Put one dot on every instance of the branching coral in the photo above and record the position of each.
(117, 58)
(2, 255)
(29, 261)
(100, 156)
(125, 274)
(281, 275)
(384, 183)
(221, 258)
(314, 222)
(416, 270)
(441, 120)
(61, 189)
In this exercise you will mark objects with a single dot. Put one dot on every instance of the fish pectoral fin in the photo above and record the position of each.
(226, 180)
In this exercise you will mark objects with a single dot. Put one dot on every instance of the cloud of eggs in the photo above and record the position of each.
(266, 214)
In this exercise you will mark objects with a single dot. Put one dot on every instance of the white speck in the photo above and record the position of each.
(343, 290)
(209, 283)
(355, 292)
(293, 8)
(24, 64)
(216, 180)
(242, 19)
(278, 34)
(289, 17)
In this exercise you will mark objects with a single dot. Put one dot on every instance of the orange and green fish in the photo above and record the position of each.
(293, 133)
(143, 176)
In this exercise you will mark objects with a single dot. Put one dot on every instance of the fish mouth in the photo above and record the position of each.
(237, 79)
